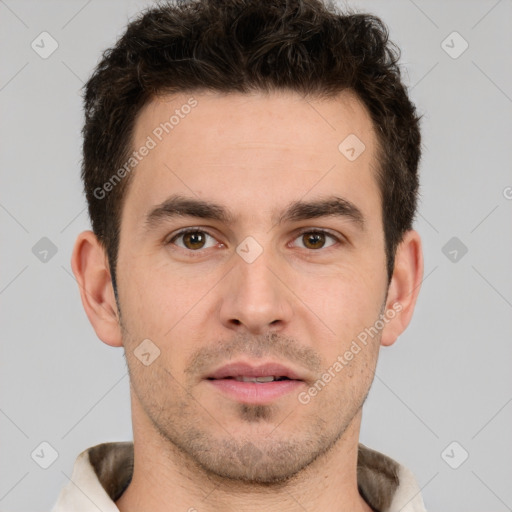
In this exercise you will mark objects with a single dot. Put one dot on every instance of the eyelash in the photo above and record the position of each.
(186, 231)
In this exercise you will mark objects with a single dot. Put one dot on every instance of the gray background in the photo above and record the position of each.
(448, 377)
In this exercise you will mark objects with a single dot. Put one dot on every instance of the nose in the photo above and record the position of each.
(255, 297)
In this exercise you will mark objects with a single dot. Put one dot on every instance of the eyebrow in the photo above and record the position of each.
(182, 206)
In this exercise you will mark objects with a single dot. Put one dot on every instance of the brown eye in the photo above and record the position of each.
(315, 240)
(193, 240)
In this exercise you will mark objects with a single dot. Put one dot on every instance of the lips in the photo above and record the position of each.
(248, 373)
(255, 384)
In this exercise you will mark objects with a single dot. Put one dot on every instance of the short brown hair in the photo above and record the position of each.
(304, 46)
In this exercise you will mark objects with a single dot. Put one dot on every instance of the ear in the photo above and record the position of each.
(404, 287)
(90, 266)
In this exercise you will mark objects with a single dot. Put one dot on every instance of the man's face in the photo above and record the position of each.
(240, 295)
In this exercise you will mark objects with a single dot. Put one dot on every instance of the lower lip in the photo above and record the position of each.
(256, 392)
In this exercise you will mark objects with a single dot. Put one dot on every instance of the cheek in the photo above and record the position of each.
(346, 302)
(166, 307)
(158, 297)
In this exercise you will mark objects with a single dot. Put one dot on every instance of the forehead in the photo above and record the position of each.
(278, 118)
(247, 151)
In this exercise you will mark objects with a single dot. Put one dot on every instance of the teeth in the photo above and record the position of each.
(270, 378)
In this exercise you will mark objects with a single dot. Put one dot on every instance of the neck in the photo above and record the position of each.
(164, 479)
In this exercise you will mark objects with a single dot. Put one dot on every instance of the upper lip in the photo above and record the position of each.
(241, 369)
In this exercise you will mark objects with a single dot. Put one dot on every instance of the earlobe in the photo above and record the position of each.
(90, 267)
(404, 287)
